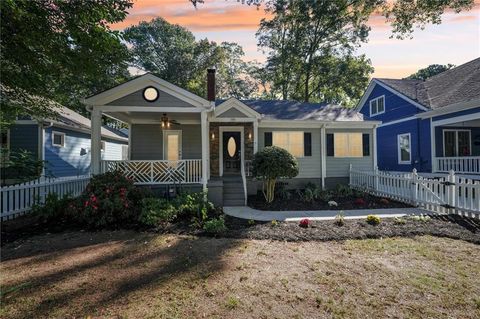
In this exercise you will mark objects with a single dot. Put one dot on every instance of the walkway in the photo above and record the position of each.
(246, 212)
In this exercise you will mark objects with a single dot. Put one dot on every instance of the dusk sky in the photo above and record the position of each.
(456, 40)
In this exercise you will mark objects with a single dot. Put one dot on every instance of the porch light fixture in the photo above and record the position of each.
(213, 136)
(249, 135)
(165, 121)
(150, 94)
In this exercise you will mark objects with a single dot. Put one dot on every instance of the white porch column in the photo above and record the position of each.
(204, 127)
(433, 147)
(96, 137)
(323, 153)
(374, 151)
(255, 136)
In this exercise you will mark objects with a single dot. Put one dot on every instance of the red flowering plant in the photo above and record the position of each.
(110, 199)
(304, 223)
(360, 202)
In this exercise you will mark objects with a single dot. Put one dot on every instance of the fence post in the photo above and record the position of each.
(452, 191)
(414, 187)
(375, 176)
(350, 174)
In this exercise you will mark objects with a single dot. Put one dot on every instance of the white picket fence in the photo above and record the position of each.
(19, 199)
(443, 194)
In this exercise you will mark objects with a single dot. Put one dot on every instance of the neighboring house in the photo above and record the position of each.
(177, 137)
(431, 125)
(63, 143)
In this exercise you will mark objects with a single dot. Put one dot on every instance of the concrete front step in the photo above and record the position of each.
(233, 196)
(234, 202)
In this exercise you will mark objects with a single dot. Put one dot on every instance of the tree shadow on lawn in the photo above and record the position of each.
(82, 288)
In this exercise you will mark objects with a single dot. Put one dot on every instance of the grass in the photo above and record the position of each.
(132, 275)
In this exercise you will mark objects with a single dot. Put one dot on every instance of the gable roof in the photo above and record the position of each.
(70, 118)
(460, 84)
(293, 110)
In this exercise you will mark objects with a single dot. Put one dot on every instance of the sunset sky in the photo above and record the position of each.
(456, 40)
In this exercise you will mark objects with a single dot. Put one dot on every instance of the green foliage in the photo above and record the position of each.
(251, 222)
(373, 220)
(194, 206)
(274, 223)
(270, 164)
(23, 166)
(55, 209)
(420, 218)
(171, 52)
(60, 50)
(156, 211)
(342, 190)
(110, 200)
(215, 226)
(312, 192)
(399, 221)
(282, 193)
(429, 71)
(340, 219)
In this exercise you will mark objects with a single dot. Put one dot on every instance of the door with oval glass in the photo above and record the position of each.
(231, 153)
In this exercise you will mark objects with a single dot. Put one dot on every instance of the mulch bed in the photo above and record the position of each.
(453, 226)
(344, 203)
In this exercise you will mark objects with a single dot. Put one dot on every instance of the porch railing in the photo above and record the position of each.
(150, 172)
(462, 165)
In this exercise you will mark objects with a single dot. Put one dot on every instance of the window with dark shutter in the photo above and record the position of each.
(307, 144)
(268, 139)
(366, 144)
(330, 145)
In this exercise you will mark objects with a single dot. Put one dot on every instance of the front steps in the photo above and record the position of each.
(233, 194)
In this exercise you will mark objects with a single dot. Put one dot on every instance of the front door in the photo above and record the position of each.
(172, 147)
(232, 153)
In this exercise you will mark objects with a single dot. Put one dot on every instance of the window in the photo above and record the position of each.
(377, 105)
(404, 149)
(58, 139)
(456, 143)
(348, 144)
(150, 94)
(291, 141)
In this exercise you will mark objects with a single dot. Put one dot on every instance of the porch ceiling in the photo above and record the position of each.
(154, 117)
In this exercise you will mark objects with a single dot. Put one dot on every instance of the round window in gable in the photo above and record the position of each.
(150, 94)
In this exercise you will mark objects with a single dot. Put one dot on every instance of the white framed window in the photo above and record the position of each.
(348, 144)
(292, 141)
(377, 105)
(58, 139)
(457, 143)
(404, 145)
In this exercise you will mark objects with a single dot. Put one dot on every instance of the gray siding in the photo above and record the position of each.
(24, 137)
(233, 113)
(136, 99)
(147, 141)
(309, 166)
(339, 166)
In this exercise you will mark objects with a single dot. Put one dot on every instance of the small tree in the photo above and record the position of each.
(270, 164)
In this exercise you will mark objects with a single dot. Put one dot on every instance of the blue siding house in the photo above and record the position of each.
(63, 143)
(431, 125)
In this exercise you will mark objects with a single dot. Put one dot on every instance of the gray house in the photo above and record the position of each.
(177, 137)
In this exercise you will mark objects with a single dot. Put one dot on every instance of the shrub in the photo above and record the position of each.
(194, 206)
(270, 164)
(156, 211)
(312, 192)
(110, 199)
(282, 193)
(342, 190)
(274, 223)
(360, 202)
(340, 219)
(373, 220)
(421, 218)
(384, 201)
(399, 221)
(215, 226)
(54, 209)
(251, 222)
(304, 223)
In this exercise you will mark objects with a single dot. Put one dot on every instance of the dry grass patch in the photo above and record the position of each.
(133, 275)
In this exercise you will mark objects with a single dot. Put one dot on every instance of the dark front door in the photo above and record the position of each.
(232, 153)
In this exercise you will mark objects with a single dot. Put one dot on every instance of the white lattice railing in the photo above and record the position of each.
(158, 172)
(462, 165)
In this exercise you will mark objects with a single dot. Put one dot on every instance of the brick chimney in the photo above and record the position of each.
(211, 85)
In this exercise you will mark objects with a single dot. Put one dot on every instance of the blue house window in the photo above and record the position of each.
(404, 149)
(456, 143)
(377, 105)
(58, 139)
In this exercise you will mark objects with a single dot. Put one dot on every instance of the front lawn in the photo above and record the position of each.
(144, 275)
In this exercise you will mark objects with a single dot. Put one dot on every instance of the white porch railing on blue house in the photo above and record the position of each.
(447, 194)
(461, 165)
(151, 172)
(19, 199)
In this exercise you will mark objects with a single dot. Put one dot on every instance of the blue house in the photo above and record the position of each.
(431, 125)
(63, 143)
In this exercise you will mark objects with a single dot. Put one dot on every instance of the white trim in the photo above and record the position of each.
(205, 149)
(238, 105)
(129, 141)
(152, 109)
(456, 140)
(405, 119)
(142, 82)
(63, 139)
(165, 133)
(25, 122)
(222, 129)
(462, 118)
(255, 137)
(399, 153)
(159, 121)
(86, 131)
(323, 154)
(374, 151)
(381, 97)
(316, 124)
(452, 108)
(420, 106)
(433, 147)
(95, 138)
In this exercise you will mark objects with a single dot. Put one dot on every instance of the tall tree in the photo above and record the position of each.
(171, 52)
(58, 50)
(429, 71)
